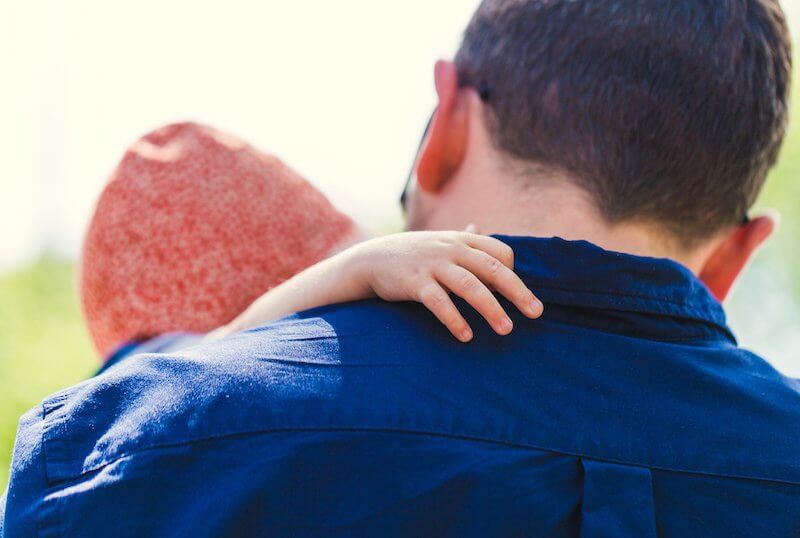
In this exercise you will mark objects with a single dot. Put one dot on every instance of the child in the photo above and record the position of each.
(194, 225)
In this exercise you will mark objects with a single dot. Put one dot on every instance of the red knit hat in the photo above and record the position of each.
(192, 227)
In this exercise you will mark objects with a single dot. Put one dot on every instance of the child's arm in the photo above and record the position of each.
(415, 266)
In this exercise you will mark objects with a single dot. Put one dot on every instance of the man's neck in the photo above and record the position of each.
(500, 195)
(561, 209)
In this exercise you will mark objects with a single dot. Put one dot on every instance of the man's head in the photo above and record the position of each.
(658, 120)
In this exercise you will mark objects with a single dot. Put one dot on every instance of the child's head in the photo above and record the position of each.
(191, 228)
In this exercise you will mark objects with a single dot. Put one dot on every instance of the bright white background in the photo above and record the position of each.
(340, 90)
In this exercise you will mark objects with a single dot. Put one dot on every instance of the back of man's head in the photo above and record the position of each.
(668, 112)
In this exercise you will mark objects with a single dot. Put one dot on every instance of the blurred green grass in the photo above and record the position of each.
(43, 344)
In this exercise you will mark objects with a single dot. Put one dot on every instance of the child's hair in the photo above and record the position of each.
(192, 227)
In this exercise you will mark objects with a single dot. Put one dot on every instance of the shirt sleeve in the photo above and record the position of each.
(20, 507)
(3, 511)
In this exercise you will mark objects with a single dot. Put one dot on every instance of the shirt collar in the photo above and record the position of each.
(651, 297)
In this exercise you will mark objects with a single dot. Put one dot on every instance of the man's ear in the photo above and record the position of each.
(726, 262)
(446, 143)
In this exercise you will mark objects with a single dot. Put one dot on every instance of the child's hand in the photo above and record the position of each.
(425, 266)
(415, 266)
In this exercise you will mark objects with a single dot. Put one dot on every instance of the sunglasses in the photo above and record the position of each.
(412, 171)
(483, 93)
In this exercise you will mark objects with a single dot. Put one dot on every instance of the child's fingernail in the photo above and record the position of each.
(466, 335)
(506, 325)
(536, 307)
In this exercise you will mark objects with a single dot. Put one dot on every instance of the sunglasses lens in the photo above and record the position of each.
(410, 178)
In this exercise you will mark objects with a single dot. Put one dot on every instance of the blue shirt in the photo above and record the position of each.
(627, 410)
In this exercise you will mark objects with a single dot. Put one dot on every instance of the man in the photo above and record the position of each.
(640, 132)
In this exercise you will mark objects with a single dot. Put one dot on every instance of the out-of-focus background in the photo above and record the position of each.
(340, 90)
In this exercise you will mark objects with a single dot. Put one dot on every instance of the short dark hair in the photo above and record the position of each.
(666, 111)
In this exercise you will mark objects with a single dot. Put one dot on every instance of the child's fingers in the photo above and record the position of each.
(438, 301)
(491, 271)
(493, 247)
(469, 287)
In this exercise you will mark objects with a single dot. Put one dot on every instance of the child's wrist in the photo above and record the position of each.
(356, 268)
